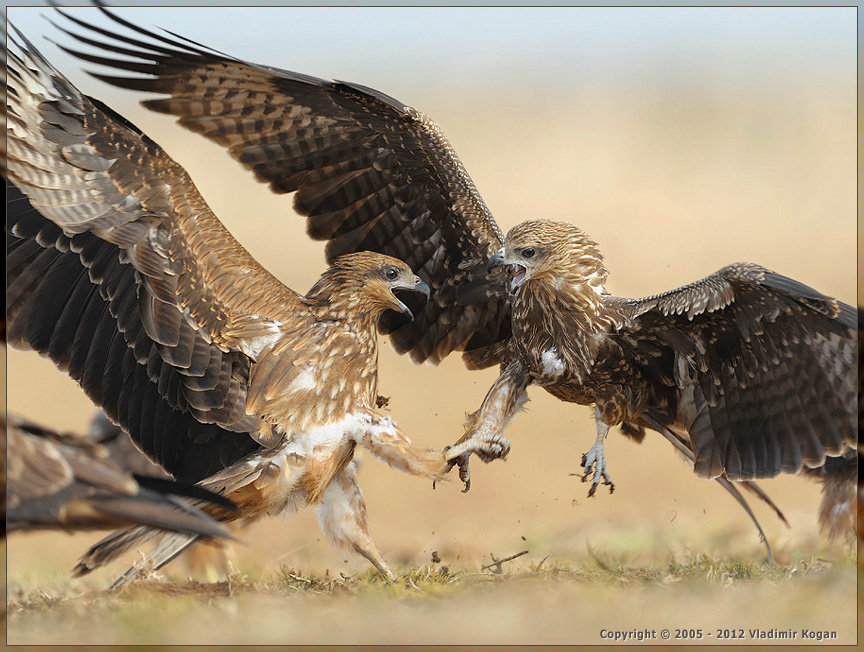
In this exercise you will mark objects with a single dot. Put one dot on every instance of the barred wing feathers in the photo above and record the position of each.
(765, 368)
(369, 173)
(61, 481)
(132, 284)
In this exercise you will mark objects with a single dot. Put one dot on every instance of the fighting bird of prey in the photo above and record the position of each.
(119, 272)
(747, 373)
(62, 481)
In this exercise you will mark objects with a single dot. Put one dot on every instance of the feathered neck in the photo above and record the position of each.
(580, 269)
(339, 296)
(565, 310)
(576, 280)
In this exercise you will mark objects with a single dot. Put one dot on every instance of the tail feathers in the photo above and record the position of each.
(171, 545)
(756, 489)
(733, 491)
(164, 512)
(157, 521)
(185, 490)
(681, 446)
(208, 495)
(111, 547)
(839, 509)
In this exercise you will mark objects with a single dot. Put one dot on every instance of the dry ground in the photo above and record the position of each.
(673, 184)
(544, 600)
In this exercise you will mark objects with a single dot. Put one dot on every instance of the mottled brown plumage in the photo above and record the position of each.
(755, 367)
(369, 172)
(746, 372)
(840, 508)
(721, 367)
(218, 371)
(61, 481)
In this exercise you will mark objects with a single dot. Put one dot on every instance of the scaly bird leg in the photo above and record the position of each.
(380, 436)
(483, 428)
(486, 447)
(597, 456)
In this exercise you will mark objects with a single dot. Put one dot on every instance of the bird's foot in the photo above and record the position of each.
(487, 448)
(464, 472)
(389, 576)
(595, 460)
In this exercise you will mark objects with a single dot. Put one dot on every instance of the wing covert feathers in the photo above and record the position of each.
(133, 286)
(765, 368)
(369, 173)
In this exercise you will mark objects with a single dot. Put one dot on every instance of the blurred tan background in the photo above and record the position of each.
(677, 162)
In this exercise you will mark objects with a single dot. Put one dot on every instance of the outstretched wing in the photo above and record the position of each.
(764, 365)
(131, 285)
(369, 172)
(60, 481)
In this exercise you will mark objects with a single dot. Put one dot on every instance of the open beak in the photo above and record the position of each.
(518, 276)
(412, 299)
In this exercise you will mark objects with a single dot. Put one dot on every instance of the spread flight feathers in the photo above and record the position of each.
(120, 273)
(371, 173)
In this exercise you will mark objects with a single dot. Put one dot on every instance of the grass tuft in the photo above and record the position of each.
(436, 588)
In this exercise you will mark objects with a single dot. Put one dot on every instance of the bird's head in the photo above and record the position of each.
(373, 284)
(555, 252)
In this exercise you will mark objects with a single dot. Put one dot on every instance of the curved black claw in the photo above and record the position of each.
(462, 462)
(487, 448)
(589, 460)
(464, 472)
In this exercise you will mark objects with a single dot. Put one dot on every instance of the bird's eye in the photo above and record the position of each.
(528, 252)
(391, 273)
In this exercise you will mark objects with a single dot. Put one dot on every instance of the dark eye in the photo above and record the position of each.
(528, 253)
(391, 273)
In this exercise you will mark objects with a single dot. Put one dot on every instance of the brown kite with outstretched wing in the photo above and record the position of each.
(120, 273)
(746, 372)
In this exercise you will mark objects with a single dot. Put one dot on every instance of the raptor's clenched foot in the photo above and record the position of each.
(486, 447)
